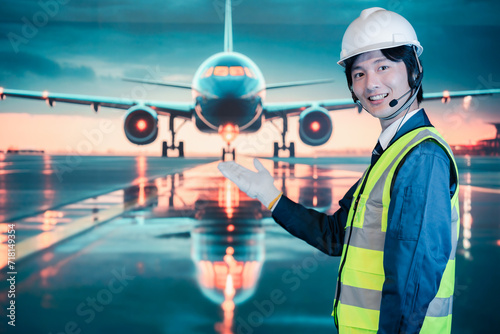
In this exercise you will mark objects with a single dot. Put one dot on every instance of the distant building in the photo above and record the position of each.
(16, 151)
(483, 147)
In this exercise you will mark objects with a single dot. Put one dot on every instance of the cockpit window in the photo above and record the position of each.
(249, 73)
(208, 72)
(224, 71)
(236, 71)
(221, 71)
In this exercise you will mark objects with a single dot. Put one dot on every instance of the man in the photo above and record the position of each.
(397, 227)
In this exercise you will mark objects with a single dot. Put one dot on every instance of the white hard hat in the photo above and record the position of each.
(376, 29)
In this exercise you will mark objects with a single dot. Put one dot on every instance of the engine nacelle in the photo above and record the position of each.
(141, 125)
(315, 126)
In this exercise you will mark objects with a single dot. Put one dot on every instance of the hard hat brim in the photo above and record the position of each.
(381, 46)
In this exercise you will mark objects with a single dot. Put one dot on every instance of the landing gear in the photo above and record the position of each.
(283, 147)
(165, 148)
(173, 147)
(224, 152)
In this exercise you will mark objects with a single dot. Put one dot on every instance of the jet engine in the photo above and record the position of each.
(141, 125)
(315, 126)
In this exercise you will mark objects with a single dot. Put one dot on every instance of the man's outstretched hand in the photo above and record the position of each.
(258, 184)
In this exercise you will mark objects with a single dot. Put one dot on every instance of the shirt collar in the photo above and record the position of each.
(387, 135)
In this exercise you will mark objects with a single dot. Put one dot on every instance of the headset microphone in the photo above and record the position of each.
(407, 104)
(394, 102)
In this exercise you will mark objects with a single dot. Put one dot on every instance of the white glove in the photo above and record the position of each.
(258, 185)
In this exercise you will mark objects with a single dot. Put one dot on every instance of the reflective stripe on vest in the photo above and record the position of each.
(361, 272)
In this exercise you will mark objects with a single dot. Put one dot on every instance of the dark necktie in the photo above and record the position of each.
(377, 151)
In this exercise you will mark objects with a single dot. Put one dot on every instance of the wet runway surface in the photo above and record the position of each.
(193, 254)
(34, 183)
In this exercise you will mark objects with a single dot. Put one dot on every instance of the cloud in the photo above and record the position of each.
(22, 64)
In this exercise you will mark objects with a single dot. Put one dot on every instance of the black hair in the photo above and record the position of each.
(402, 53)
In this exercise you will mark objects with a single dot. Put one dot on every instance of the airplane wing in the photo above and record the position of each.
(269, 86)
(446, 95)
(279, 110)
(160, 83)
(177, 109)
(298, 83)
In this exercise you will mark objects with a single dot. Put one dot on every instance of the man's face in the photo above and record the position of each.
(376, 81)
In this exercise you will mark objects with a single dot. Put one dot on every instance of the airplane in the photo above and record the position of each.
(229, 93)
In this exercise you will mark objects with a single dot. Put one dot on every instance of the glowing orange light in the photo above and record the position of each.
(228, 305)
(45, 94)
(53, 214)
(315, 126)
(446, 96)
(230, 228)
(141, 125)
(221, 71)
(229, 132)
(498, 243)
(48, 256)
(1, 90)
(141, 200)
(228, 198)
(467, 102)
(3, 233)
(51, 218)
(236, 71)
(230, 250)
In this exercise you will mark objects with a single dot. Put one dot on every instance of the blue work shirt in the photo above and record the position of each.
(418, 239)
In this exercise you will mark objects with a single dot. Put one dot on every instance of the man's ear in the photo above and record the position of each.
(417, 77)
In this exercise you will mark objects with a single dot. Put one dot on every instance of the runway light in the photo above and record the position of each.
(446, 96)
(467, 101)
(141, 125)
(315, 126)
(230, 228)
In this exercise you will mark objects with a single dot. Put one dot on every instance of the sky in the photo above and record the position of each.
(86, 47)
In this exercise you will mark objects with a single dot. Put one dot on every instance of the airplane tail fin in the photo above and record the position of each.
(228, 29)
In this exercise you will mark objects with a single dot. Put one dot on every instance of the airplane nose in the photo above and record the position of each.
(233, 89)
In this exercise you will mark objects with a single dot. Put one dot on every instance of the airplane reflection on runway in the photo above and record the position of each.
(227, 236)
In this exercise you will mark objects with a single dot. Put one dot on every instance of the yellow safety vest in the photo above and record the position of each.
(361, 271)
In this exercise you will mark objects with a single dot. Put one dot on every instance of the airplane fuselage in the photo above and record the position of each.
(228, 88)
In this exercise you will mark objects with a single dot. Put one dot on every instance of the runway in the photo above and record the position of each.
(170, 246)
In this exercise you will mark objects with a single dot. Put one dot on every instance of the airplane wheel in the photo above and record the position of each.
(276, 148)
(223, 155)
(164, 149)
(181, 149)
(234, 154)
(292, 149)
